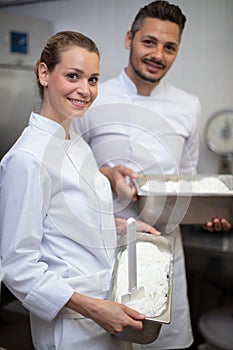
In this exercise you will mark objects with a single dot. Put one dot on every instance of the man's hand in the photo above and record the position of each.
(120, 178)
(217, 224)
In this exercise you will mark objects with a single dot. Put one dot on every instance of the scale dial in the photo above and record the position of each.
(219, 133)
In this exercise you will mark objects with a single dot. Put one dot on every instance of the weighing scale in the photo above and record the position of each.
(219, 138)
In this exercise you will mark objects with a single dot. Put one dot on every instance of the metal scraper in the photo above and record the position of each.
(133, 292)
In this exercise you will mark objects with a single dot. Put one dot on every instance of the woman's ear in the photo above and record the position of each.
(128, 40)
(43, 73)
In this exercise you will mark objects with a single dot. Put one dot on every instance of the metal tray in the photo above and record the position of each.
(151, 325)
(184, 207)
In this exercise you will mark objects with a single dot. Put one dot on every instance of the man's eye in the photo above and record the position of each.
(170, 48)
(148, 42)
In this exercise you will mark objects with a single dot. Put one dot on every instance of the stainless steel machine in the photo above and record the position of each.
(219, 138)
(21, 41)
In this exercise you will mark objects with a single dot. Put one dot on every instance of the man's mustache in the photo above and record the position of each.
(158, 63)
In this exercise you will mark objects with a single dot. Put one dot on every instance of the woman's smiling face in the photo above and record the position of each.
(72, 86)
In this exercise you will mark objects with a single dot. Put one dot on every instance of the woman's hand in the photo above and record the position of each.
(120, 178)
(111, 316)
(140, 226)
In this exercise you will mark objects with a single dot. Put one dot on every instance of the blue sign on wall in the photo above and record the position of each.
(19, 42)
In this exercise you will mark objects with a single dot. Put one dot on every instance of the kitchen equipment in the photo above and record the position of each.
(17, 85)
(133, 292)
(219, 138)
(216, 328)
(21, 40)
(169, 209)
(151, 325)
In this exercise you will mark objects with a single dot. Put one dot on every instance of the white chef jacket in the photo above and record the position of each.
(154, 134)
(57, 233)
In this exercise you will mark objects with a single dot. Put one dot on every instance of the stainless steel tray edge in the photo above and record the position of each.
(171, 209)
(151, 326)
(165, 317)
(142, 179)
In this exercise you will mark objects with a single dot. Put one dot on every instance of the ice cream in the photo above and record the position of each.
(209, 184)
(153, 273)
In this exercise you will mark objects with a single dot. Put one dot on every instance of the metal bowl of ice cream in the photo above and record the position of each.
(153, 322)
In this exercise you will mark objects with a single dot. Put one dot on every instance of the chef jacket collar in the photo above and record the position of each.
(131, 88)
(48, 125)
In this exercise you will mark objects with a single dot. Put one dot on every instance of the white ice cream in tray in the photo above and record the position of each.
(196, 185)
(154, 273)
(172, 200)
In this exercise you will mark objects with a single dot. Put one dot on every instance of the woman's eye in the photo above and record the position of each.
(72, 76)
(93, 80)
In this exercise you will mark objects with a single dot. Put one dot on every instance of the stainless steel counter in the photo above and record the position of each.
(209, 270)
(208, 252)
(194, 236)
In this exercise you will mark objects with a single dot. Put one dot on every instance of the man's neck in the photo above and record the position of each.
(144, 88)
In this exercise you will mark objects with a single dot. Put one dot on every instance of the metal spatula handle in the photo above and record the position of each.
(132, 259)
(133, 292)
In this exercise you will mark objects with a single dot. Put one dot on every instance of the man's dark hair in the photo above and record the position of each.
(162, 10)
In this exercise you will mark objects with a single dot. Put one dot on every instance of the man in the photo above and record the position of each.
(150, 126)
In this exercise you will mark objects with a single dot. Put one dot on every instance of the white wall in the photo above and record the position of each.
(204, 64)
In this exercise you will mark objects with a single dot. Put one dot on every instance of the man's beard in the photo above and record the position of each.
(143, 76)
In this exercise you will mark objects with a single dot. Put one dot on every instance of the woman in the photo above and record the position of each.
(58, 236)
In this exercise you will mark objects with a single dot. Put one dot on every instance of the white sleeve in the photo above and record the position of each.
(189, 161)
(25, 191)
